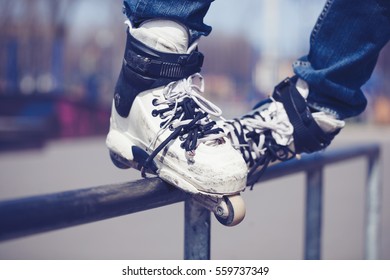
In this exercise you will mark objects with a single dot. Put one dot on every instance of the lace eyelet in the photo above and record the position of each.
(154, 113)
(154, 102)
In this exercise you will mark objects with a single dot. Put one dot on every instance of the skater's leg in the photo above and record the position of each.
(305, 113)
(344, 48)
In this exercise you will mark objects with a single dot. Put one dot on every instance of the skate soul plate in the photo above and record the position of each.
(228, 209)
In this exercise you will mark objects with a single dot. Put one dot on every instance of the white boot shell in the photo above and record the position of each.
(214, 167)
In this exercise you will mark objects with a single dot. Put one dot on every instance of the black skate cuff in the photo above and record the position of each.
(145, 68)
(308, 136)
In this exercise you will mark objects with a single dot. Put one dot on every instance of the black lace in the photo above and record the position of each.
(242, 142)
(273, 151)
(189, 133)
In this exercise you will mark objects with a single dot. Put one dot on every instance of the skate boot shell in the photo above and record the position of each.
(161, 124)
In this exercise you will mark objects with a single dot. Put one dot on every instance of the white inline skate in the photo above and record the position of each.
(160, 123)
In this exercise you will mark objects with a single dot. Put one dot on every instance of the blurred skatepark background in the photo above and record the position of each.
(59, 62)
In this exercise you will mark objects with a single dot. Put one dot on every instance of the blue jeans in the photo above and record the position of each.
(344, 46)
(188, 12)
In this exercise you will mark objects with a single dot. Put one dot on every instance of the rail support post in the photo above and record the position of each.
(196, 231)
(373, 208)
(313, 214)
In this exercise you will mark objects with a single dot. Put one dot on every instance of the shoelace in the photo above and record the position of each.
(186, 113)
(262, 137)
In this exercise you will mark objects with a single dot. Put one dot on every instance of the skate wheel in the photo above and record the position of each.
(236, 211)
(117, 160)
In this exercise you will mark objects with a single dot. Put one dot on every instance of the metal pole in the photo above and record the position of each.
(196, 231)
(373, 205)
(313, 214)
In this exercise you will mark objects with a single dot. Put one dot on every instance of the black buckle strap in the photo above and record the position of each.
(154, 64)
(308, 136)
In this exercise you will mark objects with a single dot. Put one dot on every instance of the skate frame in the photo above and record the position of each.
(26, 216)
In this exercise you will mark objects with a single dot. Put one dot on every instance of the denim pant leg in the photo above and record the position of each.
(188, 12)
(344, 48)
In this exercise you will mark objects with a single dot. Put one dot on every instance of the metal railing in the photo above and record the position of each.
(37, 214)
